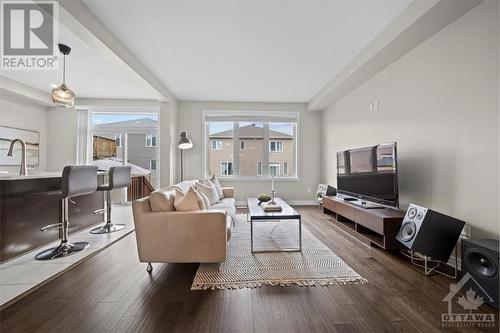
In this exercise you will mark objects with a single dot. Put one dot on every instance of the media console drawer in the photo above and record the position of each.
(377, 226)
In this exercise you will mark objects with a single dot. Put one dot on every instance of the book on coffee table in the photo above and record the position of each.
(271, 207)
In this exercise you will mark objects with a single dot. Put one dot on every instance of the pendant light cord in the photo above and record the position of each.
(64, 69)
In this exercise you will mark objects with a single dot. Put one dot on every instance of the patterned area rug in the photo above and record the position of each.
(315, 265)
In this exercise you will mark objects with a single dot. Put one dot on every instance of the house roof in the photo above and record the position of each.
(135, 123)
(251, 132)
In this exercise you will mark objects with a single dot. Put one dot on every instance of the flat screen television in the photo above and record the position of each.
(369, 174)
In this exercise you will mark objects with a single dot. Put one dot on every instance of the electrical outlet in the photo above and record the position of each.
(308, 190)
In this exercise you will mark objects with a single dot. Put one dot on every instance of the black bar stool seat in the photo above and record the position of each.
(119, 177)
(75, 181)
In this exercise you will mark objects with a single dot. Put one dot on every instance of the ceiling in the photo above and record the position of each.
(239, 50)
(89, 73)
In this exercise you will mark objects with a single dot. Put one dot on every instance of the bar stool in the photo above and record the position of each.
(119, 177)
(75, 181)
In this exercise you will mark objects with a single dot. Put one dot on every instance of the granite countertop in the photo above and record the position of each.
(36, 175)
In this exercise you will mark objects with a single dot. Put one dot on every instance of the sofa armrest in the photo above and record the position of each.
(194, 236)
(228, 192)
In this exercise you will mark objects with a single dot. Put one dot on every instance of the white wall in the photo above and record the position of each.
(440, 103)
(190, 120)
(62, 138)
(15, 112)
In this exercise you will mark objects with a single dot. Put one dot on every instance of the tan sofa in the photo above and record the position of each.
(184, 236)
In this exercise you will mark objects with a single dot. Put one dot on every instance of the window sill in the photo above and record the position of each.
(257, 179)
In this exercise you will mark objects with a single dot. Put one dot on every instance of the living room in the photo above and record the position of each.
(250, 166)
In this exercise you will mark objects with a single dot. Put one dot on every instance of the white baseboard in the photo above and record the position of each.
(290, 202)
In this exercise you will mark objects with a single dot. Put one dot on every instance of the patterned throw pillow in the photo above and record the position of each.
(216, 183)
(189, 201)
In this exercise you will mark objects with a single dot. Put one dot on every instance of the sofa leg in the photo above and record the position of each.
(149, 269)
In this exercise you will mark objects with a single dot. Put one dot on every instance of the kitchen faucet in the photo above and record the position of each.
(23, 171)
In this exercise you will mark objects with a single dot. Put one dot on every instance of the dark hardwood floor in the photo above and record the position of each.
(112, 292)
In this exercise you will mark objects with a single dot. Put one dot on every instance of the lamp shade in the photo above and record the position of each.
(63, 96)
(185, 142)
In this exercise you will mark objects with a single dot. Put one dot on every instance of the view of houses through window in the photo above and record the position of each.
(125, 138)
(263, 149)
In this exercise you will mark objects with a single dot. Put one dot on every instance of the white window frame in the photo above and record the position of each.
(243, 145)
(222, 168)
(260, 116)
(260, 168)
(285, 168)
(218, 144)
(276, 165)
(151, 163)
(150, 137)
(118, 138)
(276, 146)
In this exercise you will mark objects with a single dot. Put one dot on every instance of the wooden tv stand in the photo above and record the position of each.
(374, 226)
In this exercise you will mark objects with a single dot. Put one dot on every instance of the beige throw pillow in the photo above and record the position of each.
(189, 201)
(216, 183)
(208, 189)
(162, 200)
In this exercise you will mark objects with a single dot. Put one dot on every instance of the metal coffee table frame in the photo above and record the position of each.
(288, 213)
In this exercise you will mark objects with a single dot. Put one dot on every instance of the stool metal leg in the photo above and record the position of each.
(65, 248)
(109, 227)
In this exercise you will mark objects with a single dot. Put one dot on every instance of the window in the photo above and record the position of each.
(276, 146)
(249, 145)
(274, 169)
(226, 168)
(216, 145)
(150, 140)
(118, 140)
(152, 165)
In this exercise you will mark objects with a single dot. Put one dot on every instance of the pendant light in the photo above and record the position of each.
(62, 95)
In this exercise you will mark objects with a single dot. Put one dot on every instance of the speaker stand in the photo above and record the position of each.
(430, 265)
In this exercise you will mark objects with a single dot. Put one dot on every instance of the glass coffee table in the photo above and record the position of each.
(256, 215)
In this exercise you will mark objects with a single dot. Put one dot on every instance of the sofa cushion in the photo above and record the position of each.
(216, 183)
(184, 186)
(227, 205)
(189, 201)
(206, 187)
(162, 200)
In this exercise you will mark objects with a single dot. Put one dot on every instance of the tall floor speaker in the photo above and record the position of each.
(481, 260)
(429, 232)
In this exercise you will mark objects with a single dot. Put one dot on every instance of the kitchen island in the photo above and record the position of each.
(29, 202)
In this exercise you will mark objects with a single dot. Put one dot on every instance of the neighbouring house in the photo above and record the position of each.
(251, 146)
(140, 136)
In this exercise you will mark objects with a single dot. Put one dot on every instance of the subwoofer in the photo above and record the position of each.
(324, 190)
(481, 260)
(431, 233)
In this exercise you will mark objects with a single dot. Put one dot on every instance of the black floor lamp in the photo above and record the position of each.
(184, 143)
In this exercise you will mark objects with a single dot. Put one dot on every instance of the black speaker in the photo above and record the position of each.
(430, 233)
(481, 260)
(324, 190)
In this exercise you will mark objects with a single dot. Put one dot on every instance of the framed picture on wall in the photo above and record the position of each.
(32, 140)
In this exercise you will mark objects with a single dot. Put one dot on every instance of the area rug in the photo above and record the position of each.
(315, 265)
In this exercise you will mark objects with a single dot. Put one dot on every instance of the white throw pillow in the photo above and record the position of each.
(208, 189)
(206, 202)
(216, 183)
(189, 201)
(162, 200)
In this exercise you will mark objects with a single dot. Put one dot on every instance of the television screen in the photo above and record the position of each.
(369, 173)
